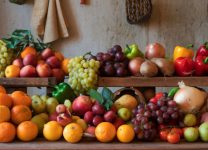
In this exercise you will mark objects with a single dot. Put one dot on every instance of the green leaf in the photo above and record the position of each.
(107, 93)
(108, 105)
(96, 95)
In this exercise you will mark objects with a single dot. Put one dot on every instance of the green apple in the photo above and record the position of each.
(44, 97)
(203, 131)
(51, 104)
(39, 121)
(190, 120)
(124, 113)
(38, 105)
(68, 104)
(191, 134)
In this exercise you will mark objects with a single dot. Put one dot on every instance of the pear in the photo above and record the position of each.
(38, 105)
(44, 98)
(39, 121)
(126, 101)
(44, 116)
(51, 104)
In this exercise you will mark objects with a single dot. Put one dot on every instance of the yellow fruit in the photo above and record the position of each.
(27, 131)
(12, 71)
(125, 133)
(105, 132)
(28, 50)
(126, 101)
(64, 65)
(73, 133)
(4, 113)
(52, 131)
(7, 132)
(82, 123)
(75, 118)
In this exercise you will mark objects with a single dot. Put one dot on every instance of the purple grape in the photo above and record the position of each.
(99, 54)
(147, 114)
(176, 109)
(170, 110)
(144, 120)
(154, 114)
(121, 72)
(140, 110)
(136, 122)
(165, 94)
(174, 115)
(136, 129)
(106, 57)
(160, 120)
(165, 116)
(147, 126)
(152, 106)
(134, 111)
(109, 70)
(159, 113)
(119, 57)
(172, 103)
(160, 103)
(116, 48)
(163, 108)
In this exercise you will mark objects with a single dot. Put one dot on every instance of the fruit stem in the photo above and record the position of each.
(88, 53)
(128, 48)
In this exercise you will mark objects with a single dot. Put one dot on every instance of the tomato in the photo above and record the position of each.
(173, 137)
(159, 95)
(153, 100)
(177, 130)
(164, 134)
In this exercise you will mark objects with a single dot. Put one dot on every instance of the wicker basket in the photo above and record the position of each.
(138, 10)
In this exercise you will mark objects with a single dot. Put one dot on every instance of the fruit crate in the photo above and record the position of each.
(42, 144)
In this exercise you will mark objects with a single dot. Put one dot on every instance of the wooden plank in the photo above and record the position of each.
(92, 145)
(151, 82)
(28, 82)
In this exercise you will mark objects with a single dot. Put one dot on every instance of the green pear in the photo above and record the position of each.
(124, 114)
(51, 104)
(44, 116)
(203, 131)
(68, 104)
(44, 97)
(39, 121)
(38, 105)
(191, 134)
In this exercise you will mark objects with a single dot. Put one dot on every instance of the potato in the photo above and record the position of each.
(165, 66)
(148, 69)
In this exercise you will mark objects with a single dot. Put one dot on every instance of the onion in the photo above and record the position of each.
(134, 66)
(154, 50)
(148, 69)
(189, 99)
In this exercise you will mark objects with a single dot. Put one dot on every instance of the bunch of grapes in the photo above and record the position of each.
(146, 118)
(6, 57)
(113, 63)
(83, 74)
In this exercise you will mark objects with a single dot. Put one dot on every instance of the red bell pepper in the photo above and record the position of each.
(184, 66)
(202, 50)
(201, 65)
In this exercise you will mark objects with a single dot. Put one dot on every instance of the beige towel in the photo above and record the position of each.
(48, 21)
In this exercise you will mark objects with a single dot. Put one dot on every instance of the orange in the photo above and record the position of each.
(59, 55)
(4, 113)
(2, 89)
(12, 71)
(105, 132)
(6, 100)
(20, 113)
(7, 132)
(52, 131)
(73, 133)
(27, 131)
(64, 65)
(21, 98)
(28, 50)
(125, 133)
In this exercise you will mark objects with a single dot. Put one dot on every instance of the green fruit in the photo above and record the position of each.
(44, 97)
(39, 121)
(44, 116)
(38, 105)
(191, 134)
(124, 114)
(203, 131)
(51, 104)
(68, 103)
(190, 120)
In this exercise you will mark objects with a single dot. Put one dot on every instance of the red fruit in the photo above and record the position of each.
(61, 108)
(59, 74)
(88, 117)
(110, 116)
(81, 105)
(44, 70)
(53, 62)
(98, 109)
(113, 108)
(153, 100)
(64, 119)
(53, 116)
(155, 50)
(159, 95)
(118, 122)
(164, 134)
(28, 71)
(161, 127)
(91, 130)
(173, 137)
(47, 53)
(97, 120)
(18, 62)
(30, 59)
(177, 130)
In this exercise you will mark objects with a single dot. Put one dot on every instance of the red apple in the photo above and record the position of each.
(61, 108)
(64, 119)
(110, 116)
(53, 116)
(44, 70)
(91, 130)
(118, 122)
(97, 120)
(28, 71)
(30, 59)
(88, 117)
(18, 62)
(47, 53)
(98, 109)
(155, 50)
(59, 74)
(53, 62)
(81, 105)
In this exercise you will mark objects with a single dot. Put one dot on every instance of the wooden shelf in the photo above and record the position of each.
(151, 82)
(83, 145)
(28, 82)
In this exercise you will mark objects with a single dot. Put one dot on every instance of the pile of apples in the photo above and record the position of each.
(46, 64)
